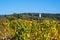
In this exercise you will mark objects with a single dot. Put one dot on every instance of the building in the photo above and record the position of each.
(40, 15)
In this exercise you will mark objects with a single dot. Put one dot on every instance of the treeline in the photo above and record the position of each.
(34, 16)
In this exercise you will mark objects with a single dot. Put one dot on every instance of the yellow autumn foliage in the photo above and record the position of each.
(28, 35)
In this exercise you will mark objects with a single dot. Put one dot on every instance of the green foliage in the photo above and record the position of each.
(34, 30)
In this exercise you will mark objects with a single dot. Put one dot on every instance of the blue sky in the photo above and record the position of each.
(29, 6)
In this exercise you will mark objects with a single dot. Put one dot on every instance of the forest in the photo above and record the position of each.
(29, 26)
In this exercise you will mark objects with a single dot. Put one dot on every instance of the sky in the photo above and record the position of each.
(29, 6)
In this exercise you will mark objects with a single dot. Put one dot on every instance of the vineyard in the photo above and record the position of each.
(19, 29)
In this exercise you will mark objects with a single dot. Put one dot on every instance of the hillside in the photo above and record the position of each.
(28, 26)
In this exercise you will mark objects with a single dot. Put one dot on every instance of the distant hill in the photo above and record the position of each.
(30, 16)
